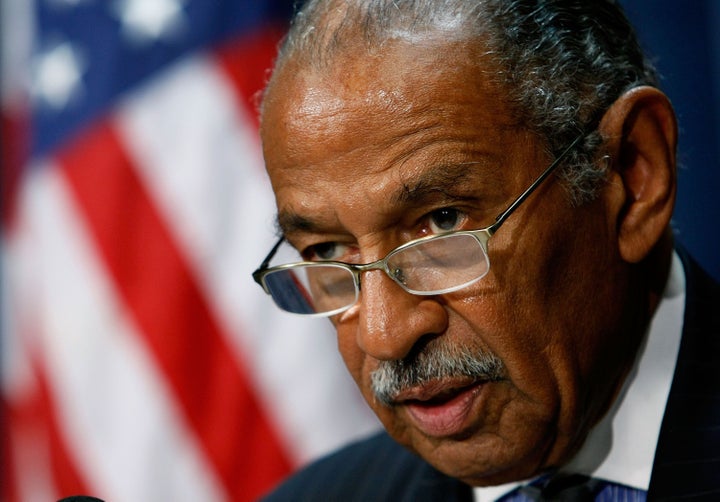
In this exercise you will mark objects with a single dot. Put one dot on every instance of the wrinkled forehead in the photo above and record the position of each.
(402, 81)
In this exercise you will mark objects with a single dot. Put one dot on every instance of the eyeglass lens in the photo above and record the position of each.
(427, 267)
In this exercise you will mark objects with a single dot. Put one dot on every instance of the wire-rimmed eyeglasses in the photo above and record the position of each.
(430, 265)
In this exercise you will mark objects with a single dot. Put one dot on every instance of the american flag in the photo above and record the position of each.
(139, 360)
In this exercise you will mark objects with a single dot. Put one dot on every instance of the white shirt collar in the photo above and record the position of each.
(621, 447)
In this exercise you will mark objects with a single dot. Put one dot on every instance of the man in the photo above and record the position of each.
(480, 193)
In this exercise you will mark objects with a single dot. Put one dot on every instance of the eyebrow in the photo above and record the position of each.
(288, 222)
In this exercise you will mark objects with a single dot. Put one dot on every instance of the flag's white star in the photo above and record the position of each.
(145, 21)
(57, 76)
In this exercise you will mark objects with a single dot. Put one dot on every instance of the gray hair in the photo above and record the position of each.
(561, 62)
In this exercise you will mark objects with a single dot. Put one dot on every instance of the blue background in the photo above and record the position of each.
(684, 40)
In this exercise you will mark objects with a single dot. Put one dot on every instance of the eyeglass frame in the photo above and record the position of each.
(482, 235)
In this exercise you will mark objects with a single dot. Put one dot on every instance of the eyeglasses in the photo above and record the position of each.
(431, 265)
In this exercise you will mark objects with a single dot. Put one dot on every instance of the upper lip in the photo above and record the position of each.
(436, 390)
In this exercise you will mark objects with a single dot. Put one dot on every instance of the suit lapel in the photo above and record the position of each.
(687, 459)
(431, 485)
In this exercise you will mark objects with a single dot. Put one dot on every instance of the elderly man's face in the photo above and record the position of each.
(380, 149)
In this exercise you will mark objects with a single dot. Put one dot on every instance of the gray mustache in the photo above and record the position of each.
(434, 362)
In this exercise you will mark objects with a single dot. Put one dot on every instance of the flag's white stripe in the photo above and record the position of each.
(199, 156)
(113, 405)
(30, 463)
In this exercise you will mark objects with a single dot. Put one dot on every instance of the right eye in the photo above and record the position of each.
(325, 251)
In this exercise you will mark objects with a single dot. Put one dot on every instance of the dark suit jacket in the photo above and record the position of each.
(687, 460)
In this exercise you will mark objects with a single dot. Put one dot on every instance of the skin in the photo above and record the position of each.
(361, 152)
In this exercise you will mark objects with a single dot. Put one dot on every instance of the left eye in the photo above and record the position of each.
(445, 219)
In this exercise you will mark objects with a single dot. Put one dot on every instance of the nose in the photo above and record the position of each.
(392, 320)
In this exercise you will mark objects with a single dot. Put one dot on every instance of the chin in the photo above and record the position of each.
(480, 458)
(479, 465)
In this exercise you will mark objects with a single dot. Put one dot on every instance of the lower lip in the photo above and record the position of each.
(447, 418)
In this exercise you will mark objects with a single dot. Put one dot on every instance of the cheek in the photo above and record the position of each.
(360, 365)
(551, 322)
(350, 351)
(538, 376)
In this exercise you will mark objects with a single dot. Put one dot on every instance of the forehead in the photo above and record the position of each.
(376, 122)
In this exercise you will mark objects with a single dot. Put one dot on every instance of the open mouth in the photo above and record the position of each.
(442, 409)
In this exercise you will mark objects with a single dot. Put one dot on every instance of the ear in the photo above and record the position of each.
(640, 132)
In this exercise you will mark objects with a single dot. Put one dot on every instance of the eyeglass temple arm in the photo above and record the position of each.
(500, 219)
(266, 261)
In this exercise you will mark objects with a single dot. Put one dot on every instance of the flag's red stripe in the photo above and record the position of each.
(35, 417)
(14, 151)
(154, 280)
(247, 61)
(68, 479)
(10, 422)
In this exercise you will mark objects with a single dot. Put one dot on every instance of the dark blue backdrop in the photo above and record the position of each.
(684, 38)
